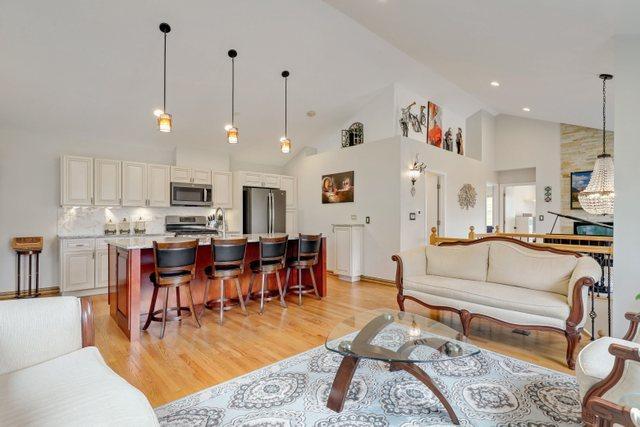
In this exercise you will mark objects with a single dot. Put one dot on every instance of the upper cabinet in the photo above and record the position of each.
(271, 181)
(158, 188)
(289, 185)
(76, 181)
(257, 179)
(106, 182)
(134, 184)
(190, 176)
(222, 189)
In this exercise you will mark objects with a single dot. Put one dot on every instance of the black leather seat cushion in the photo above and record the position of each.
(208, 270)
(152, 276)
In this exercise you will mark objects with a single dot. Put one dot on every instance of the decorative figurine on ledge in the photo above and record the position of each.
(459, 143)
(448, 140)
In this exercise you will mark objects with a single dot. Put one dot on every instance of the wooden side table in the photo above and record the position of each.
(28, 246)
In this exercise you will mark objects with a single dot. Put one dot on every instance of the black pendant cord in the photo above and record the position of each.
(604, 115)
(164, 84)
(285, 108)
(233, 90)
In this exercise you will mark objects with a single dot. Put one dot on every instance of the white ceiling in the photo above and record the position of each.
(94, 69)
(546, 54)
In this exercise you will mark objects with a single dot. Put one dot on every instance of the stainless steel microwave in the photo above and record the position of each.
(190, 194)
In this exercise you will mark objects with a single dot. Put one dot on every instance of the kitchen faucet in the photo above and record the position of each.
(221, 220)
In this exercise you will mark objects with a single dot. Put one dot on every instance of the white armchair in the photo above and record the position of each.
(50, 373)
(608, 373)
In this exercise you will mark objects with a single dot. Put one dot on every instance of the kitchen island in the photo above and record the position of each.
(131, 263)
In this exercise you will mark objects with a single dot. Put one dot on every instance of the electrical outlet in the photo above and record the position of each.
(367, 220)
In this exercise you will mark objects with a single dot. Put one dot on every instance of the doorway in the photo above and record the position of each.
(518, 208)
(434, 209)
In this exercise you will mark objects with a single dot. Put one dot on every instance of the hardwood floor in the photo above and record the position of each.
(188, 359)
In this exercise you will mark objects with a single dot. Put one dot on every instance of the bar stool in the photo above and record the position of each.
(308, 251)
(227, 263)
(175, 265)
(272, 255)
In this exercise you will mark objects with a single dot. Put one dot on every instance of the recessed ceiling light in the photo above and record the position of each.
(527, 109)
(311, 113)
(495, 83)
(157, 112)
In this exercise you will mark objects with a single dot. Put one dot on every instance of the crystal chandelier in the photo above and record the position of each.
(598, 197)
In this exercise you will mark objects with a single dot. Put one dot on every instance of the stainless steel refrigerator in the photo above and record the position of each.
(264, 210)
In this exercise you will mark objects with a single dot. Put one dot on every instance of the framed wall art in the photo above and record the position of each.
(338, 187)
(579, 181)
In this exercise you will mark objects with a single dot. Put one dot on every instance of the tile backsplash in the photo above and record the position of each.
(76, 221)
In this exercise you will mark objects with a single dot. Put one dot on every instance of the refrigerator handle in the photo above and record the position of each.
(273, 209)
(269, 209)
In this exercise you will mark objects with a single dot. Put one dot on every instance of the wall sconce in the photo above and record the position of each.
(415, 170)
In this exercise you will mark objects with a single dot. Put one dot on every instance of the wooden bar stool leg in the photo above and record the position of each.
(253, 276)
(262, 295)
(205, 296)
(286, 281)
(178, 307)
(313, 280)
(282, 303)
(164, 312)
(299, 286)
(221, 301)
(152, 308)
(191, 306)
(239, 289)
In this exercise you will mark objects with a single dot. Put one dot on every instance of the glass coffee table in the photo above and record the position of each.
(399, 338)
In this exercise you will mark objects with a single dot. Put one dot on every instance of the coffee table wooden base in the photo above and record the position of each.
(347, 368)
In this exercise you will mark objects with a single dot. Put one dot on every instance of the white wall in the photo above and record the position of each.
(627, 208)
(524, 143)
(377, 195)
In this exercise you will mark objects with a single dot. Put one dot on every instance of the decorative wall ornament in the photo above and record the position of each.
(547, 194)
(459, 142)
(354, 135)
(448, 140)
(467, 196)
(434, 126)
(338, 187)
(408, 118)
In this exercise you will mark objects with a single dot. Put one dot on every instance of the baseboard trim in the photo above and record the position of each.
(44, 292)
(369, 279)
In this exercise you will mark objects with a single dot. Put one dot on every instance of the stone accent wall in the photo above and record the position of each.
(579, 147)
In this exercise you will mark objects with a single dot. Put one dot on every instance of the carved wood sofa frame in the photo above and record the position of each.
(571, 332)
(599, 411)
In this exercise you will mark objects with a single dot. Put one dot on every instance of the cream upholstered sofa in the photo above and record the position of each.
(514, 283)
(608, 373)
(50, 374)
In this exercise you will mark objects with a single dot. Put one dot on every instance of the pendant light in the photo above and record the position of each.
(598, 197)
(285, 142)
(232, 131)
(165, 122)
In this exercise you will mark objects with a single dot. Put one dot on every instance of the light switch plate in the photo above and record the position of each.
(412, 216)
(541, 218)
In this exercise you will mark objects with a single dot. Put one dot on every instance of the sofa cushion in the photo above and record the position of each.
(595, 362)
(463, 262)
(506, 297)
(514, 265)
(72, 390)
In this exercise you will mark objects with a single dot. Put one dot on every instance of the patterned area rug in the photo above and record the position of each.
(485, 390)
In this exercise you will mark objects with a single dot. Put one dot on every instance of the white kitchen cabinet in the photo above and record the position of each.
(291, 222)
(134, 184)
(222, 183)
(289, 185)
(348, 251)
(252, 179)
(158, 185)
(106, 182)
(76, 181)
(101, 268)
(201, 176)
(271, 181)
(78, 270)
(180, 174)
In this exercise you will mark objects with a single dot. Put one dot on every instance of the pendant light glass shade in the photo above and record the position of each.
(599, 195)
(285, 145)
(164, 122)
(232, 135)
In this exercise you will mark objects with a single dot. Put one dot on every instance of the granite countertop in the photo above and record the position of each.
(113, 236)
(146, 242)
